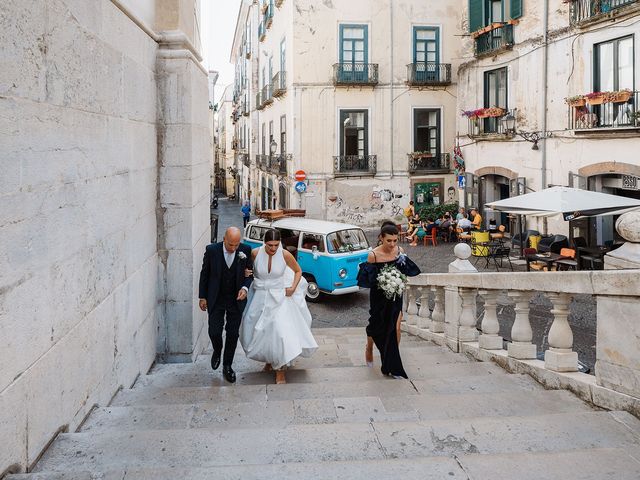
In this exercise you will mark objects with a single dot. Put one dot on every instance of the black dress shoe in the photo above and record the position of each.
(215, 360)
(229, 374)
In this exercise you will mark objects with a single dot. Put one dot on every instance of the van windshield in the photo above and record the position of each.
(347, 241)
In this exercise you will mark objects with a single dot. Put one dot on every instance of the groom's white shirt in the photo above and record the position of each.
(228, 258)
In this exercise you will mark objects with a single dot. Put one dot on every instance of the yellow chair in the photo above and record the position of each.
(534, 240)
(477, 239)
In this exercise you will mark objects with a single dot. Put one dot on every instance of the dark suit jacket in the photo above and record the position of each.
(211, 272)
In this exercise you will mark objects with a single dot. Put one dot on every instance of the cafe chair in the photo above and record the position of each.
(433, 238)
(500, 253)
(462, 235)
(553, 244)
(402, 234)
(538, 266)
(499, 235)
(568, 263)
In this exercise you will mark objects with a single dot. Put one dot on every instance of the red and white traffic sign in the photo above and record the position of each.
(301, 175)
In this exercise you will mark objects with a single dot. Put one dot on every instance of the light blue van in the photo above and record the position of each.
(328, 252)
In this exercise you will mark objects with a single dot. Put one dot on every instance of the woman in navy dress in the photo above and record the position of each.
(384, 312)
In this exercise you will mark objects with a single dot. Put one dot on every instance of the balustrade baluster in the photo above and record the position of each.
(467, 331)
(423, 311)
(560, 357)
(521, 333)
(412, 308)
(489, 339)
(437, 316)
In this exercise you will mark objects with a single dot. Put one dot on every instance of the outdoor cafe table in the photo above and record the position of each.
(548, 258)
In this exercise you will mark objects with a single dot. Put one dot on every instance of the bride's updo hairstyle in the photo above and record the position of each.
(388, 229)
(272, 235)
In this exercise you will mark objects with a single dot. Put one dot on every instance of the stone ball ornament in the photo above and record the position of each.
(462, 251)
(628, 226)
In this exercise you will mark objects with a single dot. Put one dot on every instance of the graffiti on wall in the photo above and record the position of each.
(356, 206)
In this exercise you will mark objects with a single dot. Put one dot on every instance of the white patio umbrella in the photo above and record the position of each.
(571, 203)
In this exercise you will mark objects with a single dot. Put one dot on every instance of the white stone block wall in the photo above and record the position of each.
(79, 269)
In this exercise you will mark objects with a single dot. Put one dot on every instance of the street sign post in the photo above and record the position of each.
(300, 175)
(301, 187)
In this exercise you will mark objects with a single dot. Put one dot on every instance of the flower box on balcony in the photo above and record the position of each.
(421, 155)
(596, 98)
(576, 101)
(621, 96)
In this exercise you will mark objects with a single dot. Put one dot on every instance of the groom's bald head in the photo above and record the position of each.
(231, 240)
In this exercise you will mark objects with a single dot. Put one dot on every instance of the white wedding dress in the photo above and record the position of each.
(275, 328)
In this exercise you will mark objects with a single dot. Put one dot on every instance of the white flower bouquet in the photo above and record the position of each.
(391, 281)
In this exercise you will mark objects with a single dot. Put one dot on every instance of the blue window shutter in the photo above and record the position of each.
(516, 9)
(476, 15)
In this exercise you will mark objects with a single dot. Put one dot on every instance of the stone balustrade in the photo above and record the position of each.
(453, 322)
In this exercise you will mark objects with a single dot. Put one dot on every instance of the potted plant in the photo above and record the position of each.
(596, 98)
(620, 96)
(576, 101)
(494, 112)
(420, 154)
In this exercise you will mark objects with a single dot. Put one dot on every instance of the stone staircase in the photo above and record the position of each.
(336, 418)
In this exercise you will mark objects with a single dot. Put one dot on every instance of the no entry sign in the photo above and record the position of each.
(301, 175)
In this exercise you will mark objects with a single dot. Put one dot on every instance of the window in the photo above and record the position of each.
(283, 135)
(257, 233)
(347, 241)
(283, 58)
(353, 53)
(354, 132)
(270, 78)
(495, 95)
(613, 70)
(426, 52)
(264, 136)
(486, 12)
(426, 131)
(310, 240)
(270, 135)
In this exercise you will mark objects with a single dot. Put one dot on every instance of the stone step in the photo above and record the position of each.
(380, 387)
(202, 375)
(332, 410)
(586, 464)
(341, 442)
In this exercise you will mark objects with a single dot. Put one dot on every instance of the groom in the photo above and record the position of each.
(223, 292)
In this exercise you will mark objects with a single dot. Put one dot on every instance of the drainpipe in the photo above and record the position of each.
(545, 64)
(391, 90)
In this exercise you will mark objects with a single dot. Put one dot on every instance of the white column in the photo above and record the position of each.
(560, 357)
(489, 339)
(521, 333)
(423, 312)
(468, 331)
(437, 316)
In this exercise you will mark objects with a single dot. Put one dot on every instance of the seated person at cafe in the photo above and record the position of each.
(461, 214)
(465, 224)
(446, 227)
(424, 229)
(414, 222)
(476, 219)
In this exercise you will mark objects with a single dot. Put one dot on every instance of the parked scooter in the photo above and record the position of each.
(214, 202)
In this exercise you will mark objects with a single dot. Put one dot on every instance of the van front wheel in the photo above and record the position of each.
(313, 291)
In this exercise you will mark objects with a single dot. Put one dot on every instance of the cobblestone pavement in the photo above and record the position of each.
(352, 310)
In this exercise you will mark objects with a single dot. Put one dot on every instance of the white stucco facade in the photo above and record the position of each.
(316, 100)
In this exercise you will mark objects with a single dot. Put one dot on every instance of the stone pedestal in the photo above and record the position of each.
(522, 350)
(561, 360)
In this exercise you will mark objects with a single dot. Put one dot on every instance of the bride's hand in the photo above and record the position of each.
(247, 272)
(289, 291)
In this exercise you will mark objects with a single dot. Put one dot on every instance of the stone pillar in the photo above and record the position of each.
(560, 356)
(628, 255)
(461, 264)
(182, 208)
(437, 316)
(467, 332)
(423, 312)
(453, 299)
(521, 334)
(489, 339)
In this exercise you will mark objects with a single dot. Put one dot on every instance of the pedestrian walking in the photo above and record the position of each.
(246, 212)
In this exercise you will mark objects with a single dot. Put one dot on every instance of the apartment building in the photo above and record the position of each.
(550, 94)
(225, 169)
(360, 95)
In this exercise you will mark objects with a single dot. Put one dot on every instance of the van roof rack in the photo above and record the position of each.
(280, 213)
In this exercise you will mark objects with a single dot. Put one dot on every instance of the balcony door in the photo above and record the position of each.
(353, 53)
(426, 53)
(426, 131)
(495, 95)
(613, 70)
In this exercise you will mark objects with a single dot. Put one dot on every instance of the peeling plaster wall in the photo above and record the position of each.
(79, 266)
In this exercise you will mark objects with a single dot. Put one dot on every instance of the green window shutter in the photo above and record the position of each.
(516, 9)
(476, 15)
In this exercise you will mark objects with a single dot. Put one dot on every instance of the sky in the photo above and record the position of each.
(218, 18)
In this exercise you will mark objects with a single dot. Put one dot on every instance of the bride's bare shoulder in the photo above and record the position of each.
(254, 253)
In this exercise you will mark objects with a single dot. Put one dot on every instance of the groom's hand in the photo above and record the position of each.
(248, 272)
(203, 305)
(242, 294)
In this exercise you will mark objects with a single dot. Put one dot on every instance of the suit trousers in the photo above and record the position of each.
(232, 327)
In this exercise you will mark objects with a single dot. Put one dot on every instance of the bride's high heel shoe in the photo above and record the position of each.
(368, 356)
(280, 378)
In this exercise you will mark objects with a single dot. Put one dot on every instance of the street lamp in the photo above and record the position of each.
(509, 126)
(273, 147)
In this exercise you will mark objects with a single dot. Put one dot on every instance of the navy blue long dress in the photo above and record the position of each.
(383, 313)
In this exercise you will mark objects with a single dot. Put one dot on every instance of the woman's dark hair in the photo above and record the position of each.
(388, 229)
(272, 235)
(387, 222)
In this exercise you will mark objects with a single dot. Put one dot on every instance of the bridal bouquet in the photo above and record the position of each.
(391, 281)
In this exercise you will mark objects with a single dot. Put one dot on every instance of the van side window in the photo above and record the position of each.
(257, 233)
(310, 240)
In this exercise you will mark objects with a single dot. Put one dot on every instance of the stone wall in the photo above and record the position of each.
(79, 268)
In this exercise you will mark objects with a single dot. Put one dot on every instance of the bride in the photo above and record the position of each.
(276, 324)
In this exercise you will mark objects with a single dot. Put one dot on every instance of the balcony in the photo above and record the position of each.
(354, 165)
(262, 162)
(262, 32)
(243, 158)
(279, 84)
(585, 10)
(497, 39)
(348, 74)
(268, 15)
(428, 74)
(267, 95)
(259, 103)
(428, 163)
(278, 164)
(488, 124)
(611, 114)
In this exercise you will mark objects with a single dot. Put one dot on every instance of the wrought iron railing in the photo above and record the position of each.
(279, 84)
(354, 165)
(355, 73)
(494, 40)
(428, 73)
(278, 164)
(425, 163)
(612, 115)
(262, 162)
(244, 159)
(267, 95)
(262, 32)
(259, 102)
(582, 10)
(268, 14)
(488, 126)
